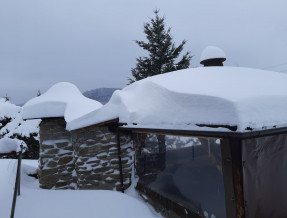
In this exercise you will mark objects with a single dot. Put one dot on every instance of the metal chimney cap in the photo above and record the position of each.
(212, 53)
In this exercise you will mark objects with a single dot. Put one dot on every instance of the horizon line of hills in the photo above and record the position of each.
(102, 95)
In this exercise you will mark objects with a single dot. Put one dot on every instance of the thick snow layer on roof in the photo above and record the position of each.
(211, 52)
(190, 98)
(61, 100)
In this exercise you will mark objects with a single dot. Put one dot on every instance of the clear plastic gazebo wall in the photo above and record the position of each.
(265, 176)
(185, 170)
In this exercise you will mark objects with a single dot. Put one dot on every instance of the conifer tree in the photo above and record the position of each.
(7, 98)
(163, 53)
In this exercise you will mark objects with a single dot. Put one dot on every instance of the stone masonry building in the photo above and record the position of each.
(86, 158)
(94, 157)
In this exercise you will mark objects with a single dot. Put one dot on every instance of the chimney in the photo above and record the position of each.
(212, 56)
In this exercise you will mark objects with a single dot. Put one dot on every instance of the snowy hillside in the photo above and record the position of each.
(13, 126)
(102, 95)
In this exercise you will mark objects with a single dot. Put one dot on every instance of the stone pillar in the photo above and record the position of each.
(56, 162)
(96, 158)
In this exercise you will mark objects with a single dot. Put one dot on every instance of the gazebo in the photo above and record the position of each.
(209, 142)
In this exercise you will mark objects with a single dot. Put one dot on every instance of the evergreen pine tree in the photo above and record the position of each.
(7, 98)
(163, 53)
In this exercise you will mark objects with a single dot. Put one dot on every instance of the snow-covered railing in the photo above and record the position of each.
(8, 146)
(17, 181)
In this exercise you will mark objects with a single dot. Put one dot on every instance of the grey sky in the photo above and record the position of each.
(91, 43)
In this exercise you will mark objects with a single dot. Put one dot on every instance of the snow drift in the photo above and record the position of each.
(35, 202)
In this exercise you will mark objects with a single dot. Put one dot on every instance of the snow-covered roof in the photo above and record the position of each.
(61, 100)
(211, 52)
(187, 99)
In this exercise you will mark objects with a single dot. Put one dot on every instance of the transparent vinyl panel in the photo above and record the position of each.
(265, 176)
(186, 170)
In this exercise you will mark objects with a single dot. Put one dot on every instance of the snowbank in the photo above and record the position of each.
(188, 98)
(61, 100)
(8, 145)
(35, 202)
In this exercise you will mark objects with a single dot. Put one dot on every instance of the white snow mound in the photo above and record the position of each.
(8, 145)
(211, 52)
(61, 100)
(8, 109)
(190, 98)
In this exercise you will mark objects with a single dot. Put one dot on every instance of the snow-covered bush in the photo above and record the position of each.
(14, 127)
(8, 145)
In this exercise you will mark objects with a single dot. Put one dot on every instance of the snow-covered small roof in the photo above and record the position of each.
(194, 97)
(211, 52)
(61, 100)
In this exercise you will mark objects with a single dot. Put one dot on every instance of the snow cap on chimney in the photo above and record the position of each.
(212, 56)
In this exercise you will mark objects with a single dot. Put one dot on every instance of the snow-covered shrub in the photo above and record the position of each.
(8, 145)
(13, 126)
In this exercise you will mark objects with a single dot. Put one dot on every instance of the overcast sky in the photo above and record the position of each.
(91, 43)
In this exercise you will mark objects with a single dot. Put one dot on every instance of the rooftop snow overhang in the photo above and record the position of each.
(222, 98)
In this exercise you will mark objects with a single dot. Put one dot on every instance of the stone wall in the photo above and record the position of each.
(82, 159)
(97, 161)
(56, 161)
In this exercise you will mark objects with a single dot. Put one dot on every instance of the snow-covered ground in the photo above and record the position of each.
(39, 203)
